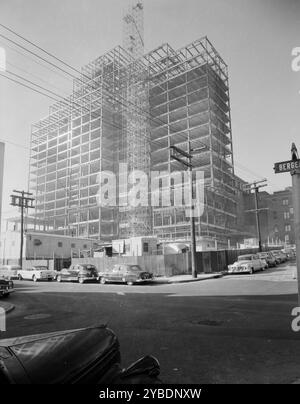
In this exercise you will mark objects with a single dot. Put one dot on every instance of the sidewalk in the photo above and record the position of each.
(8, 307)
(187, 278)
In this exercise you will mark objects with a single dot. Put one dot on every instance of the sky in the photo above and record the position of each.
(254, 37)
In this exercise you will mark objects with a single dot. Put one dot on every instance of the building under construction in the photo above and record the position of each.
(130, 108)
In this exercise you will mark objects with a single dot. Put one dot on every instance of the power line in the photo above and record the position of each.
(31, 82)
(38, 47)
(31, 88)
(36, 55)
(154, 119)
(33, 75)
(54, 70)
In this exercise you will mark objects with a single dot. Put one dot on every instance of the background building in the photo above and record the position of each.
(40, 245)
(127, 107)
(276, 218)
(281, 217)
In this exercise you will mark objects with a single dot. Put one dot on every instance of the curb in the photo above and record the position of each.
(8, 307)
(204, 278)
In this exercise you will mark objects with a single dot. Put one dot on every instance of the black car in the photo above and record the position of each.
(6, 287)
(78, 273)
(81, 356)
(126, 273)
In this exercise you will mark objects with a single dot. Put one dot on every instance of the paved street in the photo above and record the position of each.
(229, 330)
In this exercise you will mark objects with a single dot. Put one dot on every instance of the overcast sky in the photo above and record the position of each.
(254, 37)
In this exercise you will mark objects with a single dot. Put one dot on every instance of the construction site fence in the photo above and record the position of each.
(159, 265)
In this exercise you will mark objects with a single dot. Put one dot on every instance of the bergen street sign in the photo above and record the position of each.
(293, 166)
(287, 166)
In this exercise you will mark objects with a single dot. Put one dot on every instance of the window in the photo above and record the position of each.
(73, 245)
(285, 202)
(286, 215)
(145, 247)
(288, 227)
(59, 244)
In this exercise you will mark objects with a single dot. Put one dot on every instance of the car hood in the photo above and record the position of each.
(239, 263)
(65, 357)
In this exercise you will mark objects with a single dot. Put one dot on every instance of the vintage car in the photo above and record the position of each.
(9, 271)
(6, 287)
(289, 252)
(249, 263)
(280, 257)
(269, 258)
(82, 356)
(37, 273)
(78, 273)
(126, 273)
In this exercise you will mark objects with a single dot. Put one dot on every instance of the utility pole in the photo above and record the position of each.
(255, 186)
(296, 205)
(23, 201)
(178, 154)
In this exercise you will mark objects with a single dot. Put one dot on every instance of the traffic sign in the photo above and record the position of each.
(287, 166)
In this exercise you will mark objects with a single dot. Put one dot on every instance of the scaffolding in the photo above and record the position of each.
(127, 108)
(189, 101)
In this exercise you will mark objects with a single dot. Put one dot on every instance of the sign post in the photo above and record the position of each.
(296, 205)
(293, 166)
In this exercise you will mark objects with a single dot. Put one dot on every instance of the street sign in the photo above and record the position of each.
(286, 166)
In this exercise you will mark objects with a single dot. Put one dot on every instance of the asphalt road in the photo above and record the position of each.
(236, 329)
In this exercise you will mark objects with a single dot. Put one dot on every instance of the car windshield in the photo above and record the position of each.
(245, 258)
(40, 268)
(134, 268)
(89, 267)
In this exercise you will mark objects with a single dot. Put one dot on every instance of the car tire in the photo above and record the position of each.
(20, 277)
(129, 283)
(58, 279)
(5, 295)
(102, 281)
(251, 271)
(34, 278)
(81, 280)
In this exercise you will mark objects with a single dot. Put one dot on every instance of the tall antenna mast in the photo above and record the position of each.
(133, 28)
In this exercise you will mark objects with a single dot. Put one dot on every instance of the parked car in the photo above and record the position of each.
(37, 273)
(9, 271)
(78, 273)
(126, 273)
(290, 252)
(269, 258)
(247, 263)
(6, 287)
(82, 356)
(280, 257)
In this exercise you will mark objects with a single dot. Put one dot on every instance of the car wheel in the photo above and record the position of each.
(103, 281)
(252, 271)
(58, 278)
(34, 278)
(130, 283)
(5, 295)
(81, 280)
(20, 277)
